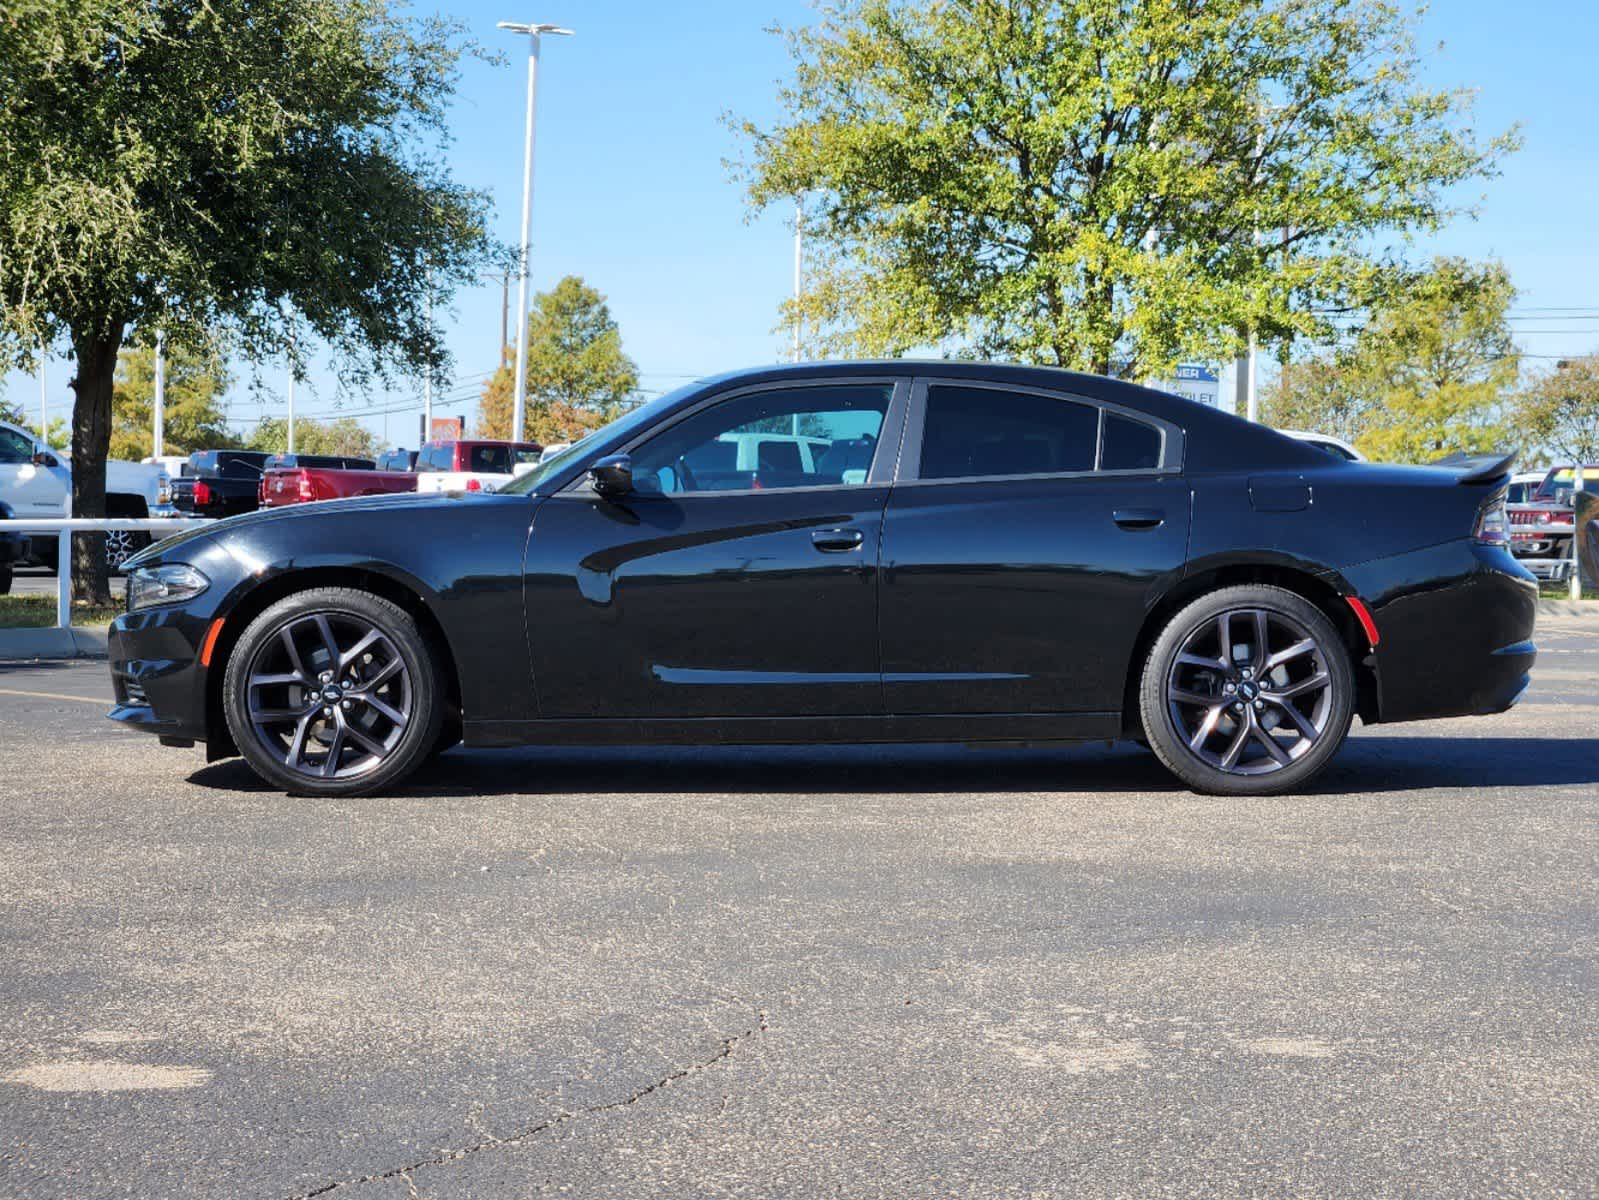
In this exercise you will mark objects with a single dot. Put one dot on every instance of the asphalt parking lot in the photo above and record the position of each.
(863, 972)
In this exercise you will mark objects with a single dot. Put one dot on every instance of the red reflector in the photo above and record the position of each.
(210, 642)
(1363, 615)
(474, 485)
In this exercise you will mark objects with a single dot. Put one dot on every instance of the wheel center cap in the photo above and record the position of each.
(1248, 690)
(333, 693)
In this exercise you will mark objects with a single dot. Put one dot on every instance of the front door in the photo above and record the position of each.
(740, 577)
(1023, 545)
(27, 489)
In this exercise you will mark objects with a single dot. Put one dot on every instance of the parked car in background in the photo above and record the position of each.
(1326, 443)
(397, 460)
(1543, 525)
(219, 483)
(36, 481)
(306, 478)
(1522, 486)
(476, 465)
(173, 464)
(1031, 554)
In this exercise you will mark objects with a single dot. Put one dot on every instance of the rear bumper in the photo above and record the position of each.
(1456, 628)
(156, 676)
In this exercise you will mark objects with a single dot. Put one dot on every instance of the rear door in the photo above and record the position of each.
(1023, 544)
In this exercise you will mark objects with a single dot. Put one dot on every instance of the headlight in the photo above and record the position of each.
(175, 582)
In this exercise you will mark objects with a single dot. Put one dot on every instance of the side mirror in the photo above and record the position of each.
(612, 475)
(41, 459)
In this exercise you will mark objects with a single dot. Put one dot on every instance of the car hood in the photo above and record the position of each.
(309, 514)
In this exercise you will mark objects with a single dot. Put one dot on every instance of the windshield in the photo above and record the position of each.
(618, 429)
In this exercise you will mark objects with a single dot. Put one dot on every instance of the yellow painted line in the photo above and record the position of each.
(55, 696)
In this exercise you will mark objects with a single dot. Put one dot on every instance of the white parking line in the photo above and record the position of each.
(54, 696)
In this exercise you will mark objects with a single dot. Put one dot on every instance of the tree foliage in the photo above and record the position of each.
(1430, 372)
(577, 374)
(250, 165)
(195, 417)
(1560, 411)
(1080, 182)
(344, 435)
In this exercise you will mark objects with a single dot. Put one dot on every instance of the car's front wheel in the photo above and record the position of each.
(333, 692)
(1247, 691)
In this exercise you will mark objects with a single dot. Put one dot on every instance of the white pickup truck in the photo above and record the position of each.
(36, 481)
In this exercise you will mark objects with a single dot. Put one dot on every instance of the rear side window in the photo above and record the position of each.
(490, 460)
(1129, 445)
(976, 432)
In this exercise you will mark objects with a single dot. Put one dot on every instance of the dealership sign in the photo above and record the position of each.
(1199, 384)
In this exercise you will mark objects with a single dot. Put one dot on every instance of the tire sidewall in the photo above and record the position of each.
(427, 711)
(1173, 750)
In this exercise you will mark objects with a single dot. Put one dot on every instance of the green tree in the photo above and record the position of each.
(195, 416)
(1429, 372)
(1560, 411)
(578, 378)
(345, 436)
(1081, 182)
(251, 166)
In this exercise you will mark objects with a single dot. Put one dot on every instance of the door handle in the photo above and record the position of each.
(837, 541)
(1139, 518)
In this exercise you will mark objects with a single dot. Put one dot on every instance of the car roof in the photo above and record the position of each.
(1215, 440)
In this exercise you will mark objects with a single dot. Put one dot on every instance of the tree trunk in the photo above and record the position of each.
(95, 350)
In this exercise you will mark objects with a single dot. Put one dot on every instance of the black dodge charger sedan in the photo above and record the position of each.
(858, 552)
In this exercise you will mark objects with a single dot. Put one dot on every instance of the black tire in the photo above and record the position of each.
(5, 580)
(293, 709)
(1196, 716)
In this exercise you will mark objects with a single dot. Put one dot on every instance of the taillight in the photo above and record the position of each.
(307, 491)
(1493, 523)
(202, 493)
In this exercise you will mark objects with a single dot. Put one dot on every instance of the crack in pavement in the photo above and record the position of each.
(448, 1156)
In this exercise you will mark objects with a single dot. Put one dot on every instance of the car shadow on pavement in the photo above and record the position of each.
(1368, 764)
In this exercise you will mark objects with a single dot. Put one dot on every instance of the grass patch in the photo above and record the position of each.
(37, 612)
(1562, 591)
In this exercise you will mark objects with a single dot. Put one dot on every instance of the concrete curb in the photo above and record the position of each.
(22, 645)
(1584, 611)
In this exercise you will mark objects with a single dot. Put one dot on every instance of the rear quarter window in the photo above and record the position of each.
(1129, 445)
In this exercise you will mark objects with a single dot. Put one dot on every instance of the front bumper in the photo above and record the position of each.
(156, 676)
(1456, 625)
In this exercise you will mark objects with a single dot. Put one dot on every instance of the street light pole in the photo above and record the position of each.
(799, 268)
(427, 378)
(159, 436)
(291, 393)
(534, 33)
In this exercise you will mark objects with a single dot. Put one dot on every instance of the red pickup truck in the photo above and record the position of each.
(303, 478)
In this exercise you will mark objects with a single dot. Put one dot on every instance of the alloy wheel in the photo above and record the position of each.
(329, 695)
(119, 547)
(1250, 692)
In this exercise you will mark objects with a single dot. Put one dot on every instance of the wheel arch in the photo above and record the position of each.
(1314, 587)
(258, 599)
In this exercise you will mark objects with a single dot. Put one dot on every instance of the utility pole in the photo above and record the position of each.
(427, 377)
(799, 269)
(505, 313)
(291, 392)
(44, 399)
(159, 437)
(534, 34)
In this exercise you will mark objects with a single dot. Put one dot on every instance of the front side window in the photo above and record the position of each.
(14, 448)
(787, 438)
(978, 432)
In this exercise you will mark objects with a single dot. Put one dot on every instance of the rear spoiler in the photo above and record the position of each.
(1477, 468)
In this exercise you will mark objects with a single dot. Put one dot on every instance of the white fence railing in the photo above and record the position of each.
(65, 527)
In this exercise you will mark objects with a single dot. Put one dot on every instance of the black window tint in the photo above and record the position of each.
(987, 431)
(1129, 445)
(491, 460)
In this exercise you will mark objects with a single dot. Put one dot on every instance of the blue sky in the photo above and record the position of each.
(632, 193)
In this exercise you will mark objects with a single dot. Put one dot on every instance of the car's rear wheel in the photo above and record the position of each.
(333, 692)
(1247, 691)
